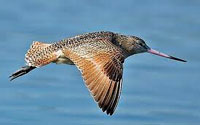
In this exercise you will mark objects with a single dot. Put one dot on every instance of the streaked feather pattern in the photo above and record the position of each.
(95, 55)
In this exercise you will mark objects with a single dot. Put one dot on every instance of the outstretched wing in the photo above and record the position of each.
(102, 72)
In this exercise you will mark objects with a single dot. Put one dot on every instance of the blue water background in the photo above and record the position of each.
(156, 91)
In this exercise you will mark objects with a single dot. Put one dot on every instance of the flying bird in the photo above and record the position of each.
(98, 55)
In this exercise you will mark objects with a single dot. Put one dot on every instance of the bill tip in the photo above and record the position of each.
(177, 59)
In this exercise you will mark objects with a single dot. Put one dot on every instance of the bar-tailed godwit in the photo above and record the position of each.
(99, 56)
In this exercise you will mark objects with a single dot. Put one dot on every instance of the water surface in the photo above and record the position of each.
(155, 90)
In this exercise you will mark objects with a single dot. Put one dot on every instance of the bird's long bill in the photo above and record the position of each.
(152, 51)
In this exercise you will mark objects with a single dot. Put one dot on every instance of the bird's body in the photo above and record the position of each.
(86, 46)
(98, 55)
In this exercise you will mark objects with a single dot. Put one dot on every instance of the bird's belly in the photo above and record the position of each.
(63, 60)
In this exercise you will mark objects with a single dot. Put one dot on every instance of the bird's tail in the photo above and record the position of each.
(24, 70)
(37, 54)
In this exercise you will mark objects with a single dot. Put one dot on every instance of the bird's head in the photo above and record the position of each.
(134, 45)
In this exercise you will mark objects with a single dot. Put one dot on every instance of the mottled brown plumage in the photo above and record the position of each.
(99, 56)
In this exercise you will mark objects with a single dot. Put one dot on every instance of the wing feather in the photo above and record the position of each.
(102, 73)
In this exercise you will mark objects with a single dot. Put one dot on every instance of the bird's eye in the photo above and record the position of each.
(141, 44)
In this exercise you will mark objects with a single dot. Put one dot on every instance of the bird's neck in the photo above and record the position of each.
(122, 41)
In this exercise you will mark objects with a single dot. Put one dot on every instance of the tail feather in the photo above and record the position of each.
(24, 70)
(38, 55)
